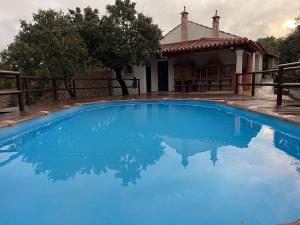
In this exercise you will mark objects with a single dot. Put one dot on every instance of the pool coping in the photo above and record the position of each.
(229, 102)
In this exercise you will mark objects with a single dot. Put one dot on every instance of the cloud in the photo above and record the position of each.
(252, 18)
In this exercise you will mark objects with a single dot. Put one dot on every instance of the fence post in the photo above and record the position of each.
(19, 88)
(27, 87)
(109, 87)
(253, 85)
(139, 87)
(54, 85)
(74, 88)
(279, 87)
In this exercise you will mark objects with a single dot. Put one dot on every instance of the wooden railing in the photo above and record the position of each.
(279, 75)
(22, 84)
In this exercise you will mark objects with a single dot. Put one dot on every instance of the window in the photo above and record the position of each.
(228, 70)
(129, 69)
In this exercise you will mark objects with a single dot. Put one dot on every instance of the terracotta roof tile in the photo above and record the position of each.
(209, 44)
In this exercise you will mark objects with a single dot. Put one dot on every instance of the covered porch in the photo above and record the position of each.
(208, 65)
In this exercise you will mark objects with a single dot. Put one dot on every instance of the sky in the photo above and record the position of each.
(246, 18)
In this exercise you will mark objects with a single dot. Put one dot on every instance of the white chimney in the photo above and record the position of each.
(184, 25)
(215, 27)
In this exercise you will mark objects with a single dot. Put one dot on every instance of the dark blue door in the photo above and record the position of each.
(148, 79)
(163, 76)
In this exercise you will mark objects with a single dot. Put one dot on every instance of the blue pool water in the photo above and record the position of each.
(150, 163)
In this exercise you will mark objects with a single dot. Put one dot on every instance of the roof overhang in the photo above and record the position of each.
(208, 44)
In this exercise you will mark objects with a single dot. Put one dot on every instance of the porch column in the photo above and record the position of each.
(253, 62)
(239, 68)
(237, 126)
(247, 78)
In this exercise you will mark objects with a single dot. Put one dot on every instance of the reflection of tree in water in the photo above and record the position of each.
(127, 162)
(60, 153)
(290, 145)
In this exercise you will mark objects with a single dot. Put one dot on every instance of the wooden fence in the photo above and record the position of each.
(23, 86)
(279, 74)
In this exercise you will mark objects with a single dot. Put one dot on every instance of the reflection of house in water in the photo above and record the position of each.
(213, 130)
(289, 144)
(190, 141)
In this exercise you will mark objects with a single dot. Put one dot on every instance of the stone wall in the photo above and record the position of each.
(7, 101)
(97, 74)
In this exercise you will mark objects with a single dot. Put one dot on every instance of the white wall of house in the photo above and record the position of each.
(139, 72)
(154, 76)
(272, 62)
(173, 36)
(195, 31)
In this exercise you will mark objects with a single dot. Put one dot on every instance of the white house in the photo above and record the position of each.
(197, 58)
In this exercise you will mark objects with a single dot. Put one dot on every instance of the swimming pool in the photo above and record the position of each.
(150, 163)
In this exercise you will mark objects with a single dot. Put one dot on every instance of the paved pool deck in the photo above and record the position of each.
(290, 109)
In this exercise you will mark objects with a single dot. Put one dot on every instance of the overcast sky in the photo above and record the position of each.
(248, 18)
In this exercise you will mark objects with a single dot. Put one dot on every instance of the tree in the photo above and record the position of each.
(271, 44)
(5, 83)
(290, 51)
(128, 38)
(50, 46)
(87, 24)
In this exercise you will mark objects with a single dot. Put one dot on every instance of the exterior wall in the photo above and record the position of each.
(105, 74)
(139, 72)
(195, 31)
(171, 74)
(270, 62)
(154, 76)
(173, 36)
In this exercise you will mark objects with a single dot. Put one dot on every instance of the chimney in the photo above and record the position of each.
(215, 27)
(184, 25)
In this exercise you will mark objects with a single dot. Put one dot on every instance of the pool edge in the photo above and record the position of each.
(229, 103)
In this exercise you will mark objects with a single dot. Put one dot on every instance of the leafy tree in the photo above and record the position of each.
(87, 24)
(58, 45)
(271, 44)
(290, 51)
(5, 83)
(128, 38)
(50, 46)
